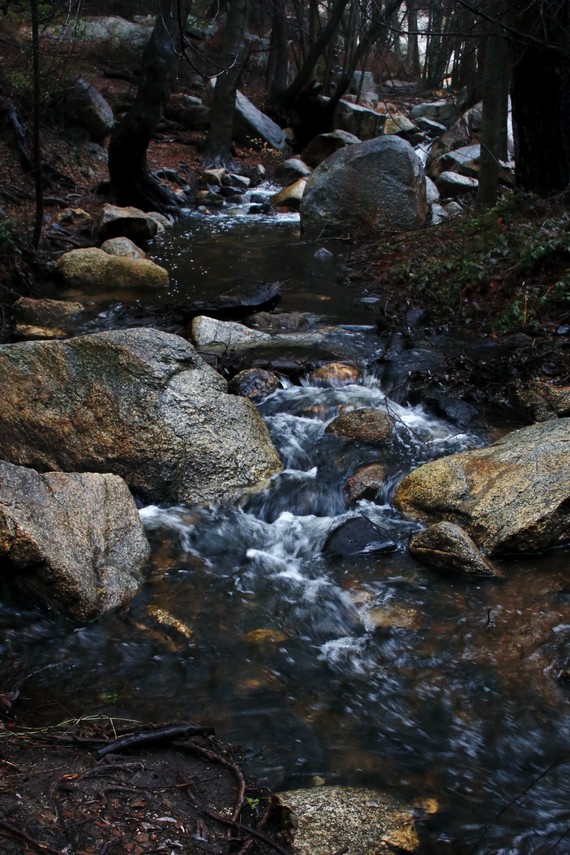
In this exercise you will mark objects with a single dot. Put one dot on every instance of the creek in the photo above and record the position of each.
(363, 670)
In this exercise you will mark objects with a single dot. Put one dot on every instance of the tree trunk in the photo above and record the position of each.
(495, 106)
(541, 96)
(131, 178)
(413, 52)
(218, 148)
(36, 140)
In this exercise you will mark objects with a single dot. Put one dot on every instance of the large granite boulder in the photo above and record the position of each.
(74, 541)
(138, 403)
(513, 496)
(371, 185)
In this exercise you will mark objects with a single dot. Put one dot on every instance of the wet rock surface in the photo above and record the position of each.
(139, 403)
(73, 541)
(512, 496)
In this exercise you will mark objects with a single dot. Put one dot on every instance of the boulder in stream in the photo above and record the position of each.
(95, 268)
(366, 424)
(371, 185)
(73, 540)
(139, 403)
(513, 496)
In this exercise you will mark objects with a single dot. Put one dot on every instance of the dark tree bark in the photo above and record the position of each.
(495, 106)
(219, 142)
(541, 95)
(130, 175)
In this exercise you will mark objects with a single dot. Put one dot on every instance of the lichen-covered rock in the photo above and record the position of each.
(138, 403)
(73, 540)
(207, 330)
(123, 247)
(513, 496)
(95, 268)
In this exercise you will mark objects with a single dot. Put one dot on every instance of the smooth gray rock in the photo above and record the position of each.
(513, 496)
(139, 403)
(88, 109)
(452, 184)
(251, 125)
(74, 541)
(371, 185)
(291, 170)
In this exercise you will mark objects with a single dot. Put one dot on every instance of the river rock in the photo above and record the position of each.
(445, 112)
(451, 184)
(513, 496)
(448, 547)
(73, 540)
(334, 375)
(363, 425)
(322, 146)
(357, 536)
(291, 170)
(130, 222)
(93, 268)
(75, 217)
(338, 819)
(138, 403)
(359, 120)
(254, 383)
(57, 318)
(543, 400)
(123, 247)
(371, 185)
(364, 484)
(397, 124)
(211, 331)
(290, 196)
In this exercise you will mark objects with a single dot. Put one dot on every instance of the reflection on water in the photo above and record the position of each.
(365, 670)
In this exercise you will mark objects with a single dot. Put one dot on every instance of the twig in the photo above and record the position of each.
(19, 832)
(245, 828)
(159, 734)
(218, 758)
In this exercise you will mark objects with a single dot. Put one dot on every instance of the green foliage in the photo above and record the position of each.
(508, 266)
(9, 243)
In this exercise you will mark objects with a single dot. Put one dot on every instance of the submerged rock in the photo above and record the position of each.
(254, 383)
(513, 496)
(139, 403)
(46, 318)
(339, 819)
(358, 536)
(75, 541)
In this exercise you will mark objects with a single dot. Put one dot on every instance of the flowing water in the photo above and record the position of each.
(366, 669)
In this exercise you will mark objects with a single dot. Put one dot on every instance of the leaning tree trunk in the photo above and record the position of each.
(130, 175)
